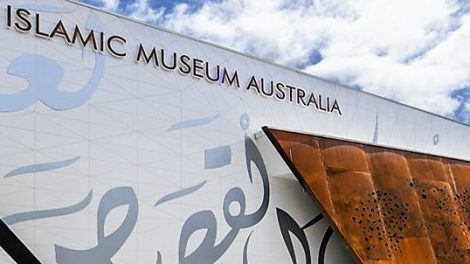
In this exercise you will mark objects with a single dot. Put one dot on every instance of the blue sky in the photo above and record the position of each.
(128, 7)
(415, 52)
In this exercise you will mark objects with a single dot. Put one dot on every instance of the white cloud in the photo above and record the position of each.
(141, 10)
(138, 9)
(411, 51)
(107, 4)
(402, 51)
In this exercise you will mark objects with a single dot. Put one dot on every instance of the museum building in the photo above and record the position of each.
(122, 142)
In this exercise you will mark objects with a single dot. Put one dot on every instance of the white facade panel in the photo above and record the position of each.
(111, 159)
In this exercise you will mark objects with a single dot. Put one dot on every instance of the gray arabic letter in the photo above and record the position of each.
(107, 245)
(244, 221)
(207, 252)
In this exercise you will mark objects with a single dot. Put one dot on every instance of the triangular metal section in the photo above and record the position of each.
(389, 205)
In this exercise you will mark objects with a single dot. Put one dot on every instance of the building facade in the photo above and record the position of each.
(126, 143)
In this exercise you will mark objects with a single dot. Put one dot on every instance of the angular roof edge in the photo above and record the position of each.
(263, 60)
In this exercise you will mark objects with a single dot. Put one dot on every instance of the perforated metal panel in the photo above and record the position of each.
(390, 206)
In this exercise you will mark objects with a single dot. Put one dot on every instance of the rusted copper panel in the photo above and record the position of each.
(358, 214)
(389, 206)
(416, 250)
(354, 199)
(427, 167)
(396, 192)
(443, 222)
(314, 172)
(338, 156)
(401, 212)
(378, 262)
(305, 154)
(461, 174)
(440, 206)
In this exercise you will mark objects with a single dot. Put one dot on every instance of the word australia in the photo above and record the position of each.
(213, 73)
